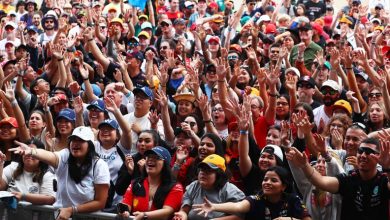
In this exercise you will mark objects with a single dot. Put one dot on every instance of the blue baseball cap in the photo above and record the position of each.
(68, 114)
(98, 104)
(145, 90)
(110, 122)
(32, 28)
(96, 89)
(161, 152)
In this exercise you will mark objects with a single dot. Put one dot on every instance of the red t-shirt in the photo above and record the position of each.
(141, 204)
(174, 15)
(260, 130)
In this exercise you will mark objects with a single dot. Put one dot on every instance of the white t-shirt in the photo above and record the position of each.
(319, 113)
(111, 157)
(69, 193)
(24, 183)
(144, 123)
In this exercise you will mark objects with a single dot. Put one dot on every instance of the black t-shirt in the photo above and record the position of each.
(290, 205)
(253, 181)
(364, 200)
(315, 10)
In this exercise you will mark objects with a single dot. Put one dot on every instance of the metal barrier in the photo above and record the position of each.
(47, 209)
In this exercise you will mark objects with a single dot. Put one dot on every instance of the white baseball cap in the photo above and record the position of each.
(84, 133)
(273, 149)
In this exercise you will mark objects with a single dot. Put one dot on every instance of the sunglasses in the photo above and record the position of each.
(304, 85)
(164, 48)
(49, 21)
(375, 94)
(232, 57)
(330, 92)
(133, 44)
(164, 25)
(366, 150)
(191, 123)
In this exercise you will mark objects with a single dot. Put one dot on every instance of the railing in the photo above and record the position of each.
(50, 211)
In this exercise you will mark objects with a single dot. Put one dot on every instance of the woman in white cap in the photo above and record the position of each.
(213, 184)
(84, 178)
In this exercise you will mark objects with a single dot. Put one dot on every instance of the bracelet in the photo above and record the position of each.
(221, 80)
(60, 59)
(207, 121)
(243, 132)
(348, 68)
(14, 103)
(23, 198)
(85, 79)
(90, 39)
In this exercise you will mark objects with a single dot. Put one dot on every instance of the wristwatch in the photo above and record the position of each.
(145, 216)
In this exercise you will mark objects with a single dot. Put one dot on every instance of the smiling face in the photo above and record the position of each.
(7, 132)
(78, 148)
(365, 160)
(321, 166)
(353, 139)
(154, 164)
(64, 126)
(185, 108)
(282, 107)
(266, 161)
(107, 135)
(95, 116)
(272, 184)
(206, 148)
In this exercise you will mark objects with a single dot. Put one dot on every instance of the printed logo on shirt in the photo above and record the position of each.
(33, 189)
(108, 158)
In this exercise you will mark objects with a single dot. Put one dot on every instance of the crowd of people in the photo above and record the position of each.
(196, 109)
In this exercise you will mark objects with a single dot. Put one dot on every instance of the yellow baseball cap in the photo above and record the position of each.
(144, 33)
(214, 161)
(342, 104)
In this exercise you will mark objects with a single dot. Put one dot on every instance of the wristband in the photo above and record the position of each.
(221, 80)
(207, 121)
(85, 79)
(60, 59)
(90, 40)
(14, 103)
(243, 132)
(348, 68)
(23, 198)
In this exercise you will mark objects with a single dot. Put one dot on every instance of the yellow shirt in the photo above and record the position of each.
(7, 8)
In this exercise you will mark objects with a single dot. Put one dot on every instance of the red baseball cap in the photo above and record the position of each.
(10, 120)
(214, 39)
(270, 29)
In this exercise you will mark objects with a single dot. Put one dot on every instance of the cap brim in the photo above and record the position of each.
(7, 123)
(104, 123)
(209, 165)
(71, 137)
(138, 90)
(148, 152)
(89, 107)
(66, 117)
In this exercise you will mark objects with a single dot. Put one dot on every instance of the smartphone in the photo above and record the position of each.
(121, 208)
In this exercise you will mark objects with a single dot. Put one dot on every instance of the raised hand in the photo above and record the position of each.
(320, 57)
(78, 105)
(9, 92)
(337, 139)
(162, 75)
(161, 98)
(110, 104)
(204, 104)
(118, 75)
(352, 160)
(154, 117)
(296, 157)
(320, 143)
(83, 72)
(384, 157)
(129, 163)
(181, 154)
(205, 208)
(290, 83)
(22, 149)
